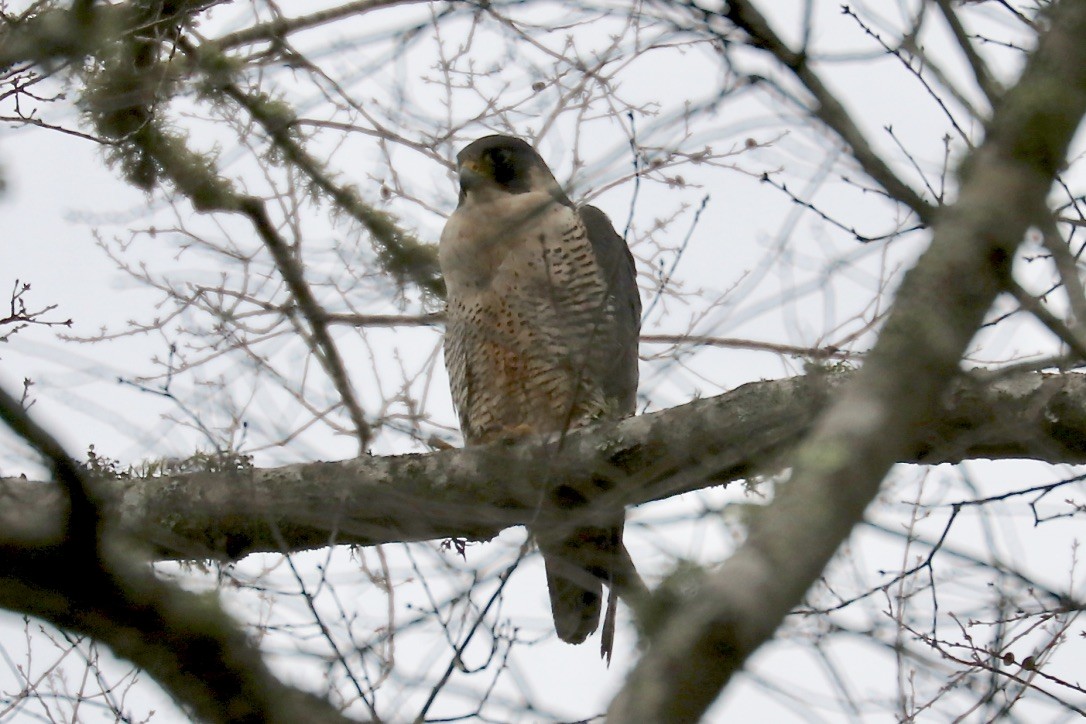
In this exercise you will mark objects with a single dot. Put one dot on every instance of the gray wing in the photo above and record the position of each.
(616, 263)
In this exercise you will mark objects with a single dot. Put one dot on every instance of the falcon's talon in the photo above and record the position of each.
(515, 434)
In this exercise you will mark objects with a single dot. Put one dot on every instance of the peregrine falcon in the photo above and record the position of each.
(542, 328)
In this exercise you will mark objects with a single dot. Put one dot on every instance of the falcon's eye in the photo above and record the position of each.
(503, 167)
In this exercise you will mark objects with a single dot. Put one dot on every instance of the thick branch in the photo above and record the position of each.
(477, 492)
(83, 580)
(901, 388)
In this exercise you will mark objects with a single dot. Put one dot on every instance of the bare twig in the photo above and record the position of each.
(826, 108)
(981, 73)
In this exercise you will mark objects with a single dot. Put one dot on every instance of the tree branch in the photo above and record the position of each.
(84, 578)
(278, 29)
(477, 492)
(322, 344)
(981, 73)
(401, 254)
(900, 390)
(827, 108)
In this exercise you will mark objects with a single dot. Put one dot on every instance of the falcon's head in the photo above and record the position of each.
(494, 166)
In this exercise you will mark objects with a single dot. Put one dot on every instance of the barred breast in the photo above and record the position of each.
(528, 322)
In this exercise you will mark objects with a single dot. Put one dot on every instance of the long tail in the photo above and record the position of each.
(577, 567)
(574, 586)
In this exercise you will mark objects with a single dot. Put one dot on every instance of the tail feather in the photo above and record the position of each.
(577, 567)
(575, 601)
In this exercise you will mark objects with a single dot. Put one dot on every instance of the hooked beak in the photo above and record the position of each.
(470, 177)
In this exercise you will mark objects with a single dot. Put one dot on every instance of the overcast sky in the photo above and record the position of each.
(755, 266)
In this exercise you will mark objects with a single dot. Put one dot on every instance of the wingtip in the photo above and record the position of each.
(607, 636)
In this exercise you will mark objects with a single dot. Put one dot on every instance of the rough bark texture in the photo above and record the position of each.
(881, 414)
(184, 640)
(475, 493)
(88, 581)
